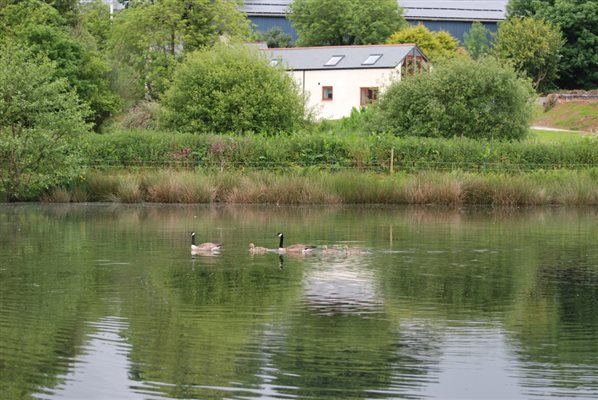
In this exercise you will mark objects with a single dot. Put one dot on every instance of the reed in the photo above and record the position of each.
(307, 186)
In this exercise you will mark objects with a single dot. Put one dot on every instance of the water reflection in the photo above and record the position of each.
(102, 370)
(442, 303)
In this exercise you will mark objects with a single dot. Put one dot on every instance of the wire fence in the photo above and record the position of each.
(333, 166)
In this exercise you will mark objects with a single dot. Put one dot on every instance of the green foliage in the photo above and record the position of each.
(462, 97)
(232, 89)
(345, 22)
(39, 120)
(41, 28)
(578, 21)
(152, 37)
(337, 152)
(532, 46)
(95, 18)
(276, 38)
(435, 45)
(477, 40)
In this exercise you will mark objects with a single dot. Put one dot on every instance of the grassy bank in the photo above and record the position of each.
(571, 115)
(442, 188)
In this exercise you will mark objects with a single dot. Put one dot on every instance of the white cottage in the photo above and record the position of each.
(336, 79)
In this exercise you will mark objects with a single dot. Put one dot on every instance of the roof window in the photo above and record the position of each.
(333, 61)
(372, 59)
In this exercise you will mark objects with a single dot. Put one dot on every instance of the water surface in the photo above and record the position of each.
(106, 302)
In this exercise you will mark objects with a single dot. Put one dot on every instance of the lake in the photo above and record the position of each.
(105, 301)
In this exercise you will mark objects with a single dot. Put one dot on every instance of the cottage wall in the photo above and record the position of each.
(345, 85)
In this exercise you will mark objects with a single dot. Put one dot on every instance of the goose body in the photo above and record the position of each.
(332, 251)
(203, 247)
(351, 252)
(253, 249)
(295, 248)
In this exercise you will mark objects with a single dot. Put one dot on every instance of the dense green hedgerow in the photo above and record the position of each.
(462, 97)
(232, 89)
(160, 149)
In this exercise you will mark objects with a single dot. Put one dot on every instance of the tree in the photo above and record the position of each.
(578, 21)
(232, 89)
(41, 28)
(460, 97)
(40, 117)
(95, 19)
(532, 46)
(435, 45)
(276, 38)
(477, 40)
(345, 22)
(152, 37)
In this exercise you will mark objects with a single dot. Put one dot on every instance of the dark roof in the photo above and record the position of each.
(460, 10)
(351, 57)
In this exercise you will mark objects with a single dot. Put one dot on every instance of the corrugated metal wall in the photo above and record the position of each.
(264, 24)
(455, 28)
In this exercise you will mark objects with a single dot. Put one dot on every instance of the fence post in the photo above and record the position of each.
(392, 160)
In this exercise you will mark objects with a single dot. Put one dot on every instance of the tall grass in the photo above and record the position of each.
(314, 187)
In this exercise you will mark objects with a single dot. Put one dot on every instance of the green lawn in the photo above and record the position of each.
(577, 116)
(545, 136)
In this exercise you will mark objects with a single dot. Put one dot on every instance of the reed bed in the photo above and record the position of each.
(454, 188)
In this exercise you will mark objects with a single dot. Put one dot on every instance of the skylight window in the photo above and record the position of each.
(372, 59)
(333, 61)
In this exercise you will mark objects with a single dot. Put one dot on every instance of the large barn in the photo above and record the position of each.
(337, 79)
(454, 16)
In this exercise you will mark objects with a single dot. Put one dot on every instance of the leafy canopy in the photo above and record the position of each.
(532, 46)
(435, 45)
(276, 38)
(41, 28)
(150, 38)
(232, 89)
(477, 40)
(461, 97)
(345, 22)
(578, 21)
(40, 117)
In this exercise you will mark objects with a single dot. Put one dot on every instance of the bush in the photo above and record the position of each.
(462, 97)
(232, 89)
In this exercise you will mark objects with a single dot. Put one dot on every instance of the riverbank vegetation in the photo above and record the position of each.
(455, 188)
(164, 88)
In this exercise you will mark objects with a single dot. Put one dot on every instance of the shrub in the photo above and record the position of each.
(462, 97)
(232, 89)
(435, 45)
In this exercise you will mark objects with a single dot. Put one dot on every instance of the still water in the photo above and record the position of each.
(106, 302)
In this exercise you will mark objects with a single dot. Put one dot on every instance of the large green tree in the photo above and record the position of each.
(578, 20)
(532, 46)
(40, 118)
(435, 45)
(151, 37)
(477, 40)
(345, 22)
(232, 89)
(40, 27)
(461, 97)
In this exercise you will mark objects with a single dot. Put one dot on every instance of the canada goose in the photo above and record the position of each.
(332, 251)
(253, 249)
(295, 248)
(203, 247)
